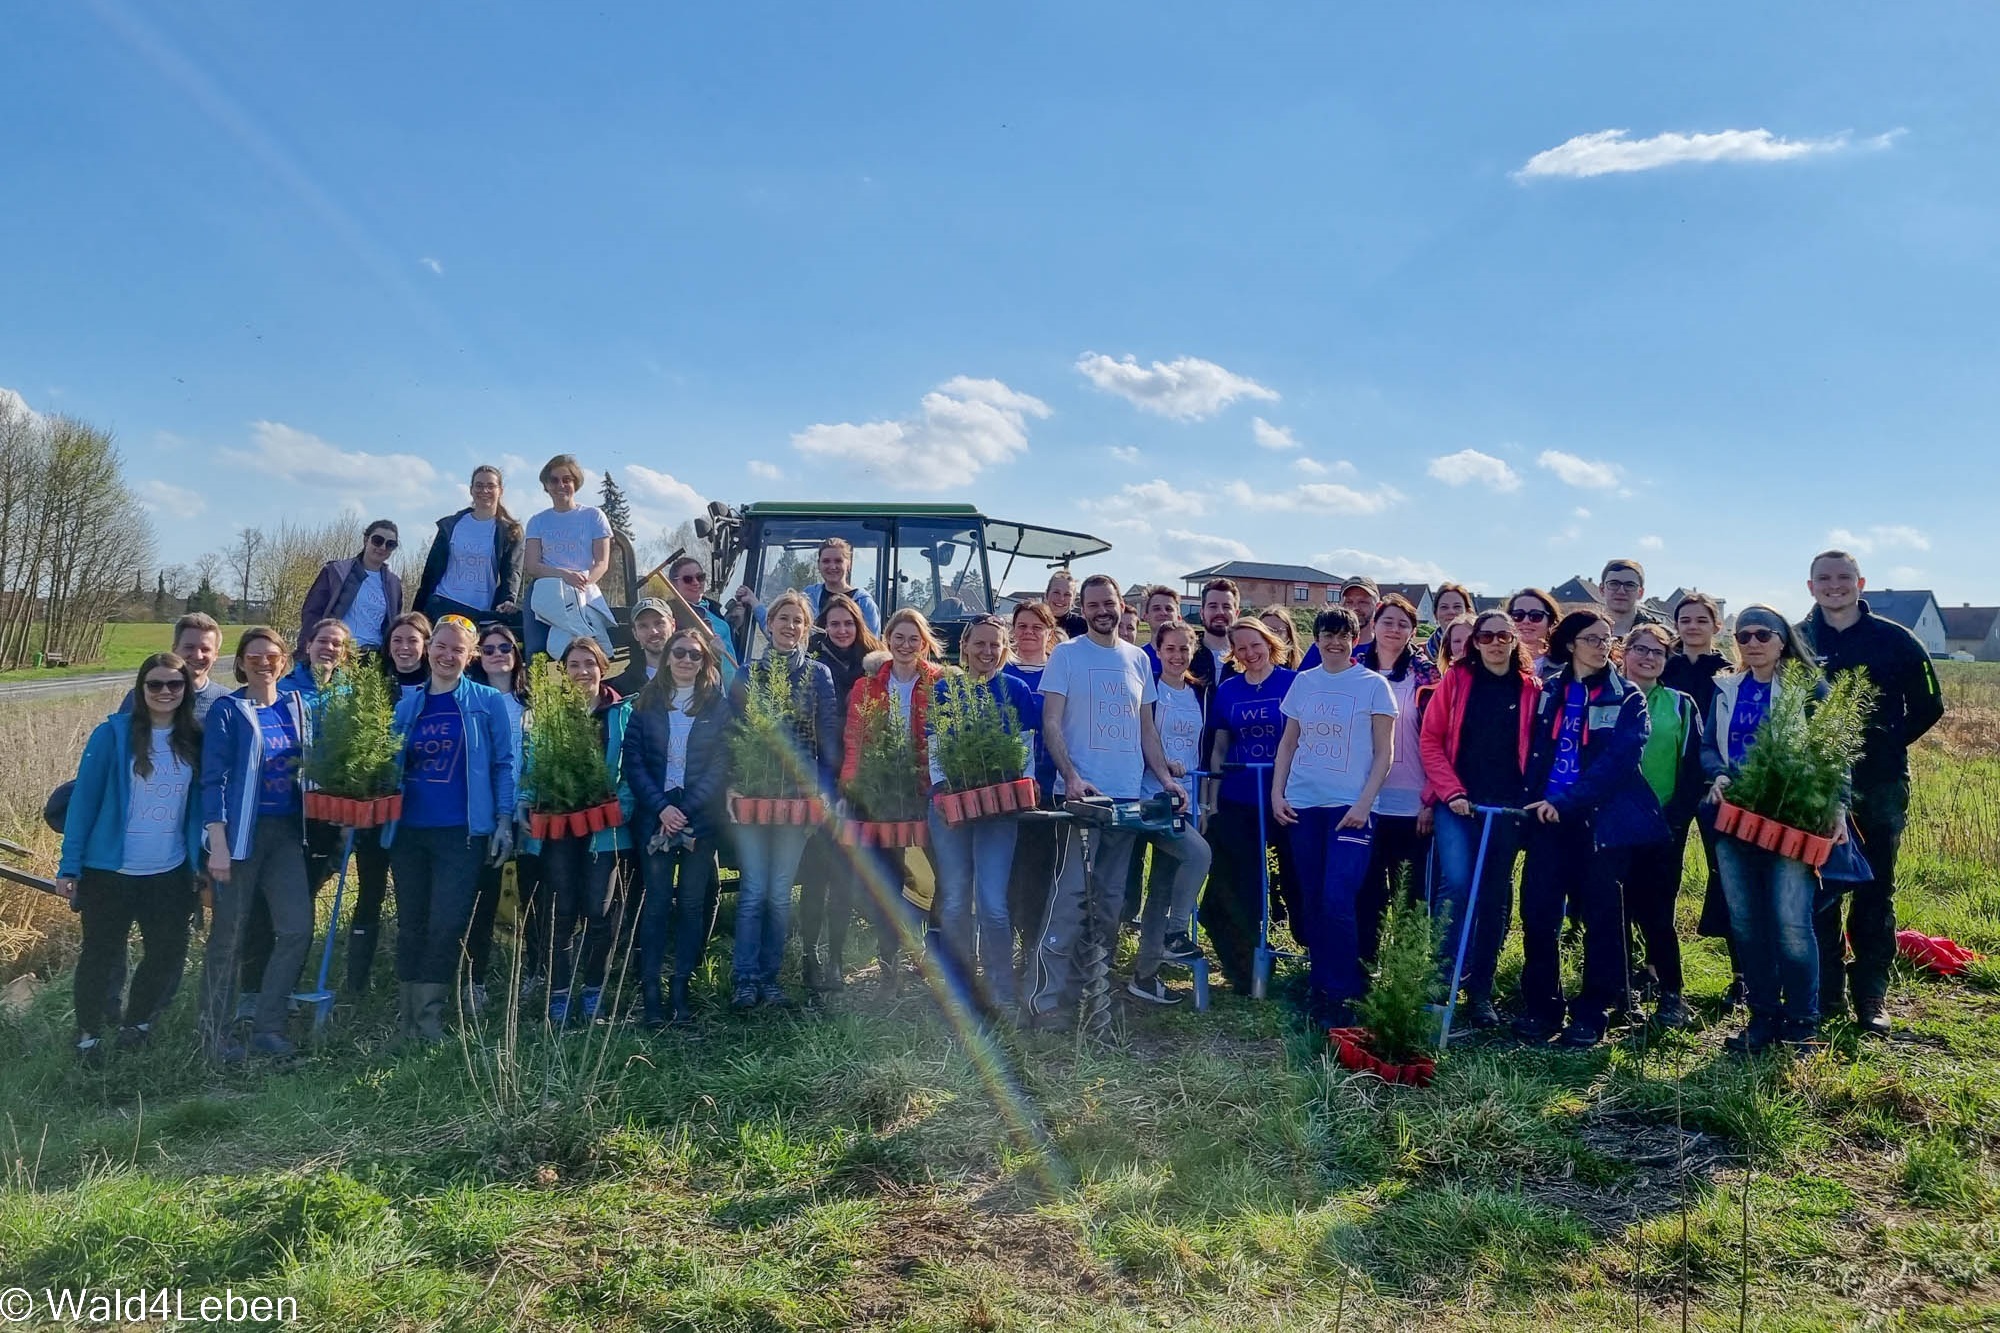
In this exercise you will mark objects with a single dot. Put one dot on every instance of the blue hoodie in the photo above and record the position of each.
(489, 753)
(94, 828)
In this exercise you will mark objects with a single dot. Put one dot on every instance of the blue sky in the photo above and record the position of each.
(1484, 291)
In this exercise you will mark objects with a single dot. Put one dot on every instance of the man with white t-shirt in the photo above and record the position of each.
(1332, 761)
(1097, 721)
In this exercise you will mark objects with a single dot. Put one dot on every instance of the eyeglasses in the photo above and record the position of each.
(1536, 616)
(376, 539)
(1622, 585)
(171, 686)
(1486, 637)
(1644, 650)
(496, 650)
(687, 654)
(1756, 635)
(263, 659)
(1593, 640)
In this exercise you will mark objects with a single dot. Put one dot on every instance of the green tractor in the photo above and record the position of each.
(939, 558)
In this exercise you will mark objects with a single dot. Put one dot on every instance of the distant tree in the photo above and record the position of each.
(160, 596)
(617, 512)
(680, 537)
(205, 599)
(243, 556)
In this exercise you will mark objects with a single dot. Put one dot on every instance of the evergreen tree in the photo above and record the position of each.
(617, 512)
(206, 598)
(160, 596)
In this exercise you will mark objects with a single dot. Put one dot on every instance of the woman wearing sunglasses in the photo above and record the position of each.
(1771, 897)
(251, 748)
(1478, 732)
(1534, 613)
(1589, 806)
(361, 590)
(131, 843)
(1671, 763)
(677, 762)
(499, 666)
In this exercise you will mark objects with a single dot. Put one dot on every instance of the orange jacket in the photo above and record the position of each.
(875, 685)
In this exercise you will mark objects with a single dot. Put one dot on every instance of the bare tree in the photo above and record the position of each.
(179, 581)
(409, 566)
(292, 558)
(680, 537)
(244, 555)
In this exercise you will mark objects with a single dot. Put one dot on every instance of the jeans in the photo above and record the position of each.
(1771, 899)
(1078, 904)
(1565, 863)
(1233, 907)
(1457, 840)
(275, 871)
(364, 926)
(1169, 913)
(974, 860)
(767, 856)
(1879, 816)
(582, 891)
(437, 879)
(1399, 848)
(680, 893)
(110, 904)
(1651, 892)
(1332, 863)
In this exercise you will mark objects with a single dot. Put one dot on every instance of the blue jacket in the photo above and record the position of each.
(489, 753)
(647, 739)
(1609, 789)
(616, 716)
(94, 828)
(232, 766)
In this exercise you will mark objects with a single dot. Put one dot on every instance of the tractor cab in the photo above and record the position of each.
(938, 558)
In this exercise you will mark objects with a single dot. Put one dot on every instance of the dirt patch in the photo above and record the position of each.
(1664, 1164)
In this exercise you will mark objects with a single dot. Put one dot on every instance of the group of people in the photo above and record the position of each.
(1583, 743)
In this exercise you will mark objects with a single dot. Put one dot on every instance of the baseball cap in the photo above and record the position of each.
(657, 605)
(1362, 581)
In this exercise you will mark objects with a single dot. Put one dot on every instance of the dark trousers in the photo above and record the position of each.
(1028, 887)
(1332, 863)
(826, 900)
(1652, 889)
(485, 907)
(364, 924)
(534, 927)
(1399, 850)
(437, 878)
(1879, 816)
(582, 886)
(1564, 862)
(110, 904)
(1232, 908)
(679, 901)
(324, 842)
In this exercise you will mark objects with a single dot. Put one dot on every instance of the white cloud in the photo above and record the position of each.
(1652, 542)
(1156, 497)
(13, 404)
(432, 265)
(1580, 512)
(163, 497)
(659, 489)
(1322, 497)
(1604, 152)
(1186, 389)
(1124, 453)
(1273, 437)
(326, 471)
(1468, 466)
(765, 471)
(1581, 472)
(1202, 548)
(1880, 537)
(961, 428)
(1907, 574)
(1393, 568)
(1312, 467)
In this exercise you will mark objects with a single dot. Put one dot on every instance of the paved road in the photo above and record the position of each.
(53, 686)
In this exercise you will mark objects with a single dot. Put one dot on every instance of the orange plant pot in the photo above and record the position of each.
(1350, 1047)
(614, 817)
(1727, 817)
(593, 819)
(1815, 851)
(538, 825)
(1769, 834)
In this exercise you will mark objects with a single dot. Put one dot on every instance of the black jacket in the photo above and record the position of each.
(1910, 703)
(647, 739)
(1695, 679)
(506, 559)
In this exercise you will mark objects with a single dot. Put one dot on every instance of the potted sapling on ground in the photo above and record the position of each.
(566, 782)
(1397, 1028)
(885, 799)
(982, 752)
(352, 764)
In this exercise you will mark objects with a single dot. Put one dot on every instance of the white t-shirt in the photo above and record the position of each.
(566, 538)
(1103, 690)
(1335, 712)
(680, 723)
(154, 841)
(1403, 790)
(368, 610)
(1178, 717)
(468, 571)
(900, 691)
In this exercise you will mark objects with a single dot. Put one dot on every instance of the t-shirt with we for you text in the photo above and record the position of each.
(434, 776)
(1103, 691)
(1336, 713)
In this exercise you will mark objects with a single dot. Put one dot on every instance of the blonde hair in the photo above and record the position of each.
(1276, 644)
(910, 615)
(1291, 654)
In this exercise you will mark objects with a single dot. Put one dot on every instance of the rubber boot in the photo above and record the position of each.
(430, 998)
(406, 1012)
(360, 960)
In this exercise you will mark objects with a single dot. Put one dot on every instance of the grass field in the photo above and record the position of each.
(867, 1169)
(126, 645)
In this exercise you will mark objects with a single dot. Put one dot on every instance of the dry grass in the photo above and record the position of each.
(40, 742)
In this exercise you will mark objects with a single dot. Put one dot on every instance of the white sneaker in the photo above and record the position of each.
(1152, 992)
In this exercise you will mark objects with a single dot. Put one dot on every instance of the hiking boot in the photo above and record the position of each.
(1179, 948)
(1737, 995)
(1758, 1034)
(1801, 1035)
(773, 995)
(1152, 990)
(744, 997)
(230, 1052)
(1481, 1014)
(272, 1043)
(430, 997)
(1530, 1028)
(89, 1052)
(134, 1035)
(1672, 1012)
(1582, 1034)
(1869, 1019)
(559, 1007)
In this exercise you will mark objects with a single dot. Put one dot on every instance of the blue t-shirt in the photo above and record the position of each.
(434, 778)
(278, 793)
(1045, 767)
(1753, 700)
(1251, 716)
(1569, 743)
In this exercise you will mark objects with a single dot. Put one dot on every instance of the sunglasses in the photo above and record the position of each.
(1756, 635)
(692, 580)
(687, 654)
(167, 686)
(1534, 617)
(385, 543)
(496, 650)
(1487, 637)
(263, 659)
